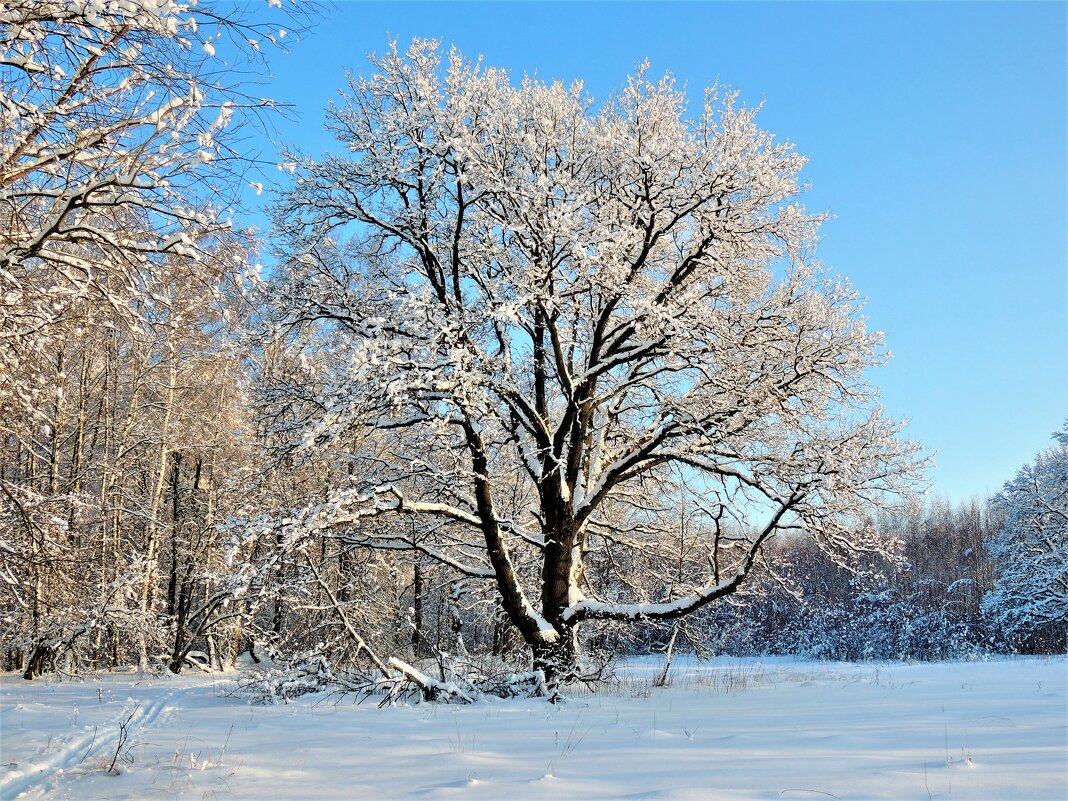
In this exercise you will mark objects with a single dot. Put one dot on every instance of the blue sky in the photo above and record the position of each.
(936, 134)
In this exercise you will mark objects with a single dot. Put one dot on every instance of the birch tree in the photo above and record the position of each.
(542, 315)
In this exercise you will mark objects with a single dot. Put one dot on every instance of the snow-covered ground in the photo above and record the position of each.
(727, 729)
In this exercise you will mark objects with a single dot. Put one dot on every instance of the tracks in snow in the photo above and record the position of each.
(41, 769)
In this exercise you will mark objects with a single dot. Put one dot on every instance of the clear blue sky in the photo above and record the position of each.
(937, 136)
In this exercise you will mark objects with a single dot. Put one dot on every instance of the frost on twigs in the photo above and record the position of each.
(1030, 596)
(307, 673)
(120, 280)
(117, 156)
(539, 331)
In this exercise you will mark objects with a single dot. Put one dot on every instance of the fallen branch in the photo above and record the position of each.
(433, 690)
(361, 643)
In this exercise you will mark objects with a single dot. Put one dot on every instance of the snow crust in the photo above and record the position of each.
(725, 729)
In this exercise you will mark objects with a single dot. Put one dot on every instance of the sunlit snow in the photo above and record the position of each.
(726, 729)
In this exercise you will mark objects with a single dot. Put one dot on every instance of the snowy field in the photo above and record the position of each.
(727, 729)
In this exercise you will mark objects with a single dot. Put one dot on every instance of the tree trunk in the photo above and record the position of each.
(559, 583)
(418, 644)
(151, 539)
(558, 660)
(176, 511)
(40, 661)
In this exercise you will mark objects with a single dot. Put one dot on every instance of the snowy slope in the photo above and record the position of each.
(729, 729)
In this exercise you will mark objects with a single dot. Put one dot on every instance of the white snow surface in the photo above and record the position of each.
(725, 729)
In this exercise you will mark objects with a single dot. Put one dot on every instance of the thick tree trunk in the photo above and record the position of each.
(558, 660)
(41, 661)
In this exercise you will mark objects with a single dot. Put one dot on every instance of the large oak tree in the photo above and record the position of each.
(538, 316)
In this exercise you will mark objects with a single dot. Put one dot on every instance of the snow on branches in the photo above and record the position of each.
(1031, 549)
(117, 152)
(532, 318)
(118, 270)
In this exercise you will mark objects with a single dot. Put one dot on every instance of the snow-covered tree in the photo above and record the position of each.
(1031, 549)
(117, 152)
(537, 318)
